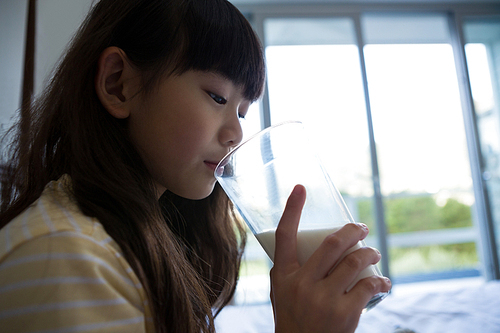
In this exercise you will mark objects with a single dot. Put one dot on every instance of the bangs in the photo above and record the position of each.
(218, 38)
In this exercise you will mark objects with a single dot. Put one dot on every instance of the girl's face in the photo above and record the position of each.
(185, 127)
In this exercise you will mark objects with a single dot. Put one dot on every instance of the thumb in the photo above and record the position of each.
(286, 233)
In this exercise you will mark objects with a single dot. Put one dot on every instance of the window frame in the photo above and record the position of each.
(456, 13)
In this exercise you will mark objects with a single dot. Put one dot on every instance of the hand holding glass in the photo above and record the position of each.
(259, 175)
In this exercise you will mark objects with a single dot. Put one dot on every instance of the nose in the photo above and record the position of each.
(231, 133)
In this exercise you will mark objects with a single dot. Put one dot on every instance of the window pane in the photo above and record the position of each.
(251, 123)
(404, 28)
(482, 53)
(309, 31)
(321, 86)
(422, 156)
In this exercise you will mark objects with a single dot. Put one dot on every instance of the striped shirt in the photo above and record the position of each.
(61, 272)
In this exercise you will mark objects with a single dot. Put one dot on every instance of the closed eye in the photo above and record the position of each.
(243, 111)
(218, 99)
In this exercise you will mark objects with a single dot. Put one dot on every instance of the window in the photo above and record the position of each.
(417, 123)
(482, 37)
(380, 94)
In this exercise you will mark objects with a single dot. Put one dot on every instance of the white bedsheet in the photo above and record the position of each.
(458, 306)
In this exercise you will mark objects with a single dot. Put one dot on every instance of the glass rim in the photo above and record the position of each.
(226, 157)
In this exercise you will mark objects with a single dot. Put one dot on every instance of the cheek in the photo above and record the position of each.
(190, 133)
(169, 149)
(181, 146)
(169, 131)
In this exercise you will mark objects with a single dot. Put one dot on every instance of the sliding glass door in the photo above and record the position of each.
(419, 131)
(403, 105)
(425, 180)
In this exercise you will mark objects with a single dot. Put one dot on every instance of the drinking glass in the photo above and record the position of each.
(259, 175)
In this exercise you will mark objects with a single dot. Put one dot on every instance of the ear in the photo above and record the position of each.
(115, 82)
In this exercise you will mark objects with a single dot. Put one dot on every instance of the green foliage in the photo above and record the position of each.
(366, 212)
(417, 213)
(411, 214)
(434, 258)
(455, 214)
(408, 214)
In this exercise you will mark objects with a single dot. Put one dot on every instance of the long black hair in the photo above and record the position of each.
(186, 252)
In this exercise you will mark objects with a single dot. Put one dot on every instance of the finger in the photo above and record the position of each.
(354, 265)
(366, 288)
(286, 233)
(333, 248)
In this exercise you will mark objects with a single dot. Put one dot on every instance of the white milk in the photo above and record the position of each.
(307, 242)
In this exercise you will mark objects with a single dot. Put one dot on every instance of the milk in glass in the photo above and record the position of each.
(307, 242)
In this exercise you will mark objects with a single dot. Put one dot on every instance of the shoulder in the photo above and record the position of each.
(53, 214)
(59, 268)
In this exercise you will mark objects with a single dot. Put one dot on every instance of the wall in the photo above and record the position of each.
(12, 27)
(57, 21)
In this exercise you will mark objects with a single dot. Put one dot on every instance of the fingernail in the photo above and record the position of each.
(298, 190)
(362, 225)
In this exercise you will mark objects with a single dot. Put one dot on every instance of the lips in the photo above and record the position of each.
(211, 165)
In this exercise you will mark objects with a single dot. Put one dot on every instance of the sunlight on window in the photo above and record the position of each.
(418, 128)
(479, 76)
(417, 119)
(321, 86)
(419, 136)
(251, 123)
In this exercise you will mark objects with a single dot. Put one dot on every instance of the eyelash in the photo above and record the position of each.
(221, 100)
(218, 99)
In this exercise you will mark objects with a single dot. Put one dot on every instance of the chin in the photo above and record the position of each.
(197, 193)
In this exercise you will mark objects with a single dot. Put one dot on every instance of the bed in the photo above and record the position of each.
(466, 305)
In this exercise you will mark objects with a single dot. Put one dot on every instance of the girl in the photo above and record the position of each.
(111, 218)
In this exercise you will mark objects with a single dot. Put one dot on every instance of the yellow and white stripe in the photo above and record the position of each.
(61, 272)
